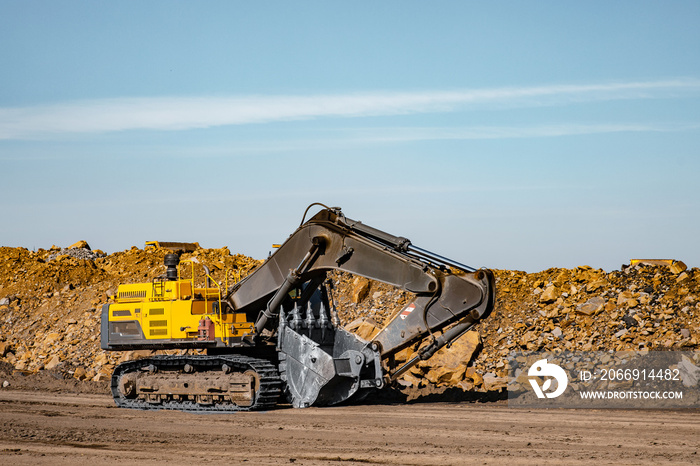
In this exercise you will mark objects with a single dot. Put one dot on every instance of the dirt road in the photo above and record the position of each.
(59, 429)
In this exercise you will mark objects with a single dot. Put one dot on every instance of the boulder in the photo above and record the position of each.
(365, 328)
(360, 289)
(440, 375)
(591, 307)
(80, 373)
(52, 363)
(492, 382)
(101, 359)
(625, 296)
(410, 380)
(449, 365)
(689, 372)
(51, 338)
(595, 285)
(80, 245)
(404, 355)
(549, 295)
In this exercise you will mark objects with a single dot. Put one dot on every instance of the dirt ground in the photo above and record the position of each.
(41, 427)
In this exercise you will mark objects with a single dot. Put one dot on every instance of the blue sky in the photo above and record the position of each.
(512, 135)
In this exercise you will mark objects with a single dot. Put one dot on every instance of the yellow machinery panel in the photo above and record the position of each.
(172, 311)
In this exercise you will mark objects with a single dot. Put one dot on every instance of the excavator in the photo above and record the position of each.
(275, 335)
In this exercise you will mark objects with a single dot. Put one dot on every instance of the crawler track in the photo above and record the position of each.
(265, 397)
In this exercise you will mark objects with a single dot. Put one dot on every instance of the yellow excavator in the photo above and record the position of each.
(275, 334)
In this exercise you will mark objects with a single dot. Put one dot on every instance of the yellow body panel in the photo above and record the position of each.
(173, 246)
(171, 310)
(667, 262)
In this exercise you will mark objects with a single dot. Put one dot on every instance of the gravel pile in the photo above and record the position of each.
(77, 253)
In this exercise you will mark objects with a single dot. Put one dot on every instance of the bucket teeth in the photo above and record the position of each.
(283, 319)
(335, 320)
(322, 317)
(310, 320)
(323, 322)
(296, 322)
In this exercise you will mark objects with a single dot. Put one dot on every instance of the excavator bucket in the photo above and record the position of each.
(322, 364)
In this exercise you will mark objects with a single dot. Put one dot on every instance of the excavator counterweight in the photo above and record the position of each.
(277, 332)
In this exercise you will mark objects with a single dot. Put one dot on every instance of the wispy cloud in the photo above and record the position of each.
(183, 113)
(408, 134)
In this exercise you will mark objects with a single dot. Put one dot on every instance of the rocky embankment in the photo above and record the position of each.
(51, 300)
(50, 303)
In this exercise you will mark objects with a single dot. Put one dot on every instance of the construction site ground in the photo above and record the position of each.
(40, 427)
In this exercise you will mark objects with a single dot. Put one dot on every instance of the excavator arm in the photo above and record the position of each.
(321, 363)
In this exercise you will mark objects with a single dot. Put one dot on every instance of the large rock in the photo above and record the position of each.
(689, 372)
(404, 355)
(365, 328)
(410, 380)
(595, 285)
(549, 295)
(440, 375)
(493, 382)
(447, 366)
(101, 359)
(627, 298)
(360, 289)
(591, 307)
(80, 245)
(51, 339)
(80, 373)
(52, 363)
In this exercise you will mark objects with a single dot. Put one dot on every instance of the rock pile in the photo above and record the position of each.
(583, 309)
(653, 307)
(50, 302)
(79, 250)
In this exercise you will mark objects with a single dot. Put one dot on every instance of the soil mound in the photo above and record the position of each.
(50, 303)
